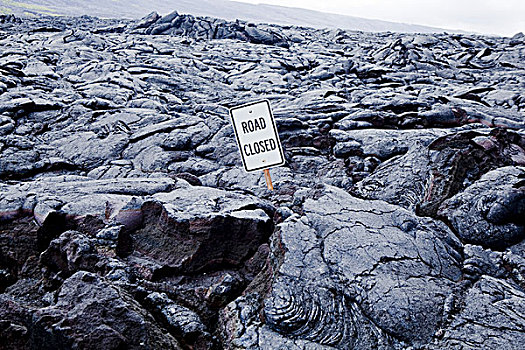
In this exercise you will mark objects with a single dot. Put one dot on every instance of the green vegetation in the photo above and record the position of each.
(31, 8)
(5, 10)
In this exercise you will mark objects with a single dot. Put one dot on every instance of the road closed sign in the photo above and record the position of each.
(257, 136)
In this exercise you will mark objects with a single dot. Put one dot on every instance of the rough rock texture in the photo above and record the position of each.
(427, 175)
(490, 212)
(79, 303)
(355, 274)
(126, 220)
(87, 312)
(199, 229)
(208, 28)
(491, 318)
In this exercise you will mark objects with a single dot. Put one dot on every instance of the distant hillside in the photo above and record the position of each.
(229, 10)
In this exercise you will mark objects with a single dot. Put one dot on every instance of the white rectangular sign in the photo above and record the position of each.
(257, 136)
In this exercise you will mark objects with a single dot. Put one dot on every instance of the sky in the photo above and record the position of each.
(502, 17)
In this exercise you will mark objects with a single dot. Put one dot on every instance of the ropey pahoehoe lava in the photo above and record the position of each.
(128, 222)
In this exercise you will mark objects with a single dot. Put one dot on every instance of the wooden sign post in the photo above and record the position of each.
(257, 138)
(268, 179)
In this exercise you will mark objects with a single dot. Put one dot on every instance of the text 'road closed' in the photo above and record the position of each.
(257, 136)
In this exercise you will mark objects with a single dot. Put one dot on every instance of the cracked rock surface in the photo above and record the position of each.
(351, 273)
(127, 222)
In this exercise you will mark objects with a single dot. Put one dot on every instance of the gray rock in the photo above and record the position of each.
(196, 228)
(71, 252)
(16, 163)
(401, 180)
(426, 176)
(385, 144)
(479, 262)
(188, 138)
(207, 28)
(321, 288)
(61, 202)
(184, 323)
(517, 39)
(492, 318)
(109, 127)
(125, 322)
(260, 36)
(87, 150)
(348, 148)
(16, 324)
(148, 20)
(490, 212)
